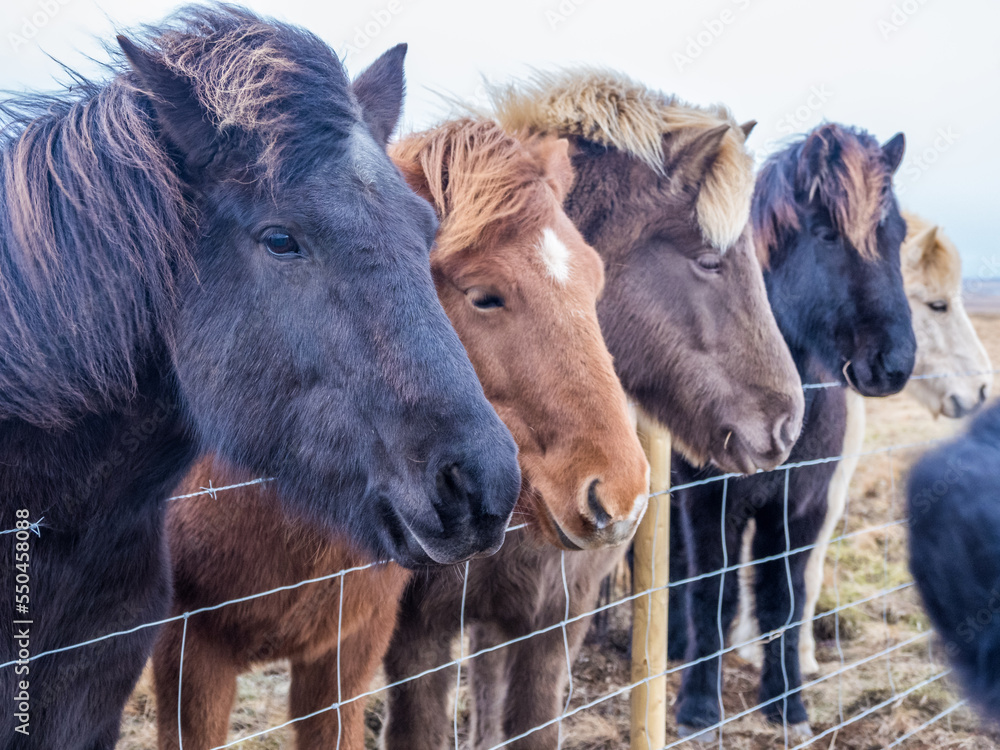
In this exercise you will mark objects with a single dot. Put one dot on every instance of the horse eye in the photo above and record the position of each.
(825, 234)
(938, 306)
(281, 243)
(485, 300)
(709, 262)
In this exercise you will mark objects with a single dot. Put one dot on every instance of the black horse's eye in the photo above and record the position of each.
(281, 243)
(709, 262)
(484, 300)
(938, 306)
(825, 233)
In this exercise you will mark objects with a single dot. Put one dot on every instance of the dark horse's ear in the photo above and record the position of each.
(700, 153)
(380, 90)
(183, 120)
(893, 151)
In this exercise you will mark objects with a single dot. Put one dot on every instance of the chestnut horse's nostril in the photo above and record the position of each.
(599, 516)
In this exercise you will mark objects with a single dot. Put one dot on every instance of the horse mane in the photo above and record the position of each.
(476, 175)
(930, 249)
(843, 167)
(610, 109)
(95, 219)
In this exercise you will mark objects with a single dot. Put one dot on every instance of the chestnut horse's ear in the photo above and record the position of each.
(893, 151)
(184, 122)
(553, 155)
(747, 128)
(380, 90)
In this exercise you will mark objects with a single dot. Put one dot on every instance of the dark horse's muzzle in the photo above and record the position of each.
(883, 370)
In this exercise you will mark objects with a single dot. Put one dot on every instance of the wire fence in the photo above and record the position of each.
(852, 703)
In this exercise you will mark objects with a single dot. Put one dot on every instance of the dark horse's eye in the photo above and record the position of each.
(825, 233)
(281, 243)
(709, 262)
(484, 300)
(938, 306)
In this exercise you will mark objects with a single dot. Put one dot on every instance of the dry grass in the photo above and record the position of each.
(857, 568)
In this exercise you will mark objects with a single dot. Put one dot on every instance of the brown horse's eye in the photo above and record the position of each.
(709, 262)
(485, 300)
(281, 243)
(938, 306)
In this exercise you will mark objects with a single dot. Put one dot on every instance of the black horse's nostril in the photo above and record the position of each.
(453, 495)
(600, 517)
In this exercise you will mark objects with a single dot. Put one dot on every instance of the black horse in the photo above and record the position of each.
(828, 232)
(954, 511)
(211, 250)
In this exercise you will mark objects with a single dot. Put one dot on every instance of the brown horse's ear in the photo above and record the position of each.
(700, 153)
(184, 121)
(747, 128)
(893, 151)
(380, 90)
(553, 155)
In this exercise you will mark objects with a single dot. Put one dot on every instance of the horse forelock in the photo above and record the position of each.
(843, 168)
(478, 177)
(612, 110)
(278, 86)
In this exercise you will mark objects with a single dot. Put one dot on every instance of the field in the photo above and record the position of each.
(861, 566)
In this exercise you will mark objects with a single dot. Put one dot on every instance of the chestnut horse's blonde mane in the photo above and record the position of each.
(476, 175)
(611, 109)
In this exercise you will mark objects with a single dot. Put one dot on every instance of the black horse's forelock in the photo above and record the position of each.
(843, 166)
(95, 219)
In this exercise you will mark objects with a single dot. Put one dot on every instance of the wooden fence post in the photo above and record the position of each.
(649, 612)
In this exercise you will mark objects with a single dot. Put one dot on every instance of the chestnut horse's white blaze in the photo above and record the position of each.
(947, 344)
(555, 255)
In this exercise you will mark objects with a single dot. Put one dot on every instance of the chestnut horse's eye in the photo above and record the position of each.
(485, 300)
(709, 262)
(280, 243)
(938, 306)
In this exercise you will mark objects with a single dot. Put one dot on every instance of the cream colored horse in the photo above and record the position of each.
(946, 345)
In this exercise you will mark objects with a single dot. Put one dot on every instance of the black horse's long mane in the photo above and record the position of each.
(841, 166)
(96, 220)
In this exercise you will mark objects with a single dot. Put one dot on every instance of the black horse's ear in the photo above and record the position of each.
(893, 150)
(380, 90)
(184, 121)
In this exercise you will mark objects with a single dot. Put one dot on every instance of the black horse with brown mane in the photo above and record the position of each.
(211, 250)
(828, 231)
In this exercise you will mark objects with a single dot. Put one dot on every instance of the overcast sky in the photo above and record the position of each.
(927, 67)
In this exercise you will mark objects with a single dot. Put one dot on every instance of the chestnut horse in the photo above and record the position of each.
(520, 285)
(829, 233)
(170, 239)
(663, 193)
(952, 378)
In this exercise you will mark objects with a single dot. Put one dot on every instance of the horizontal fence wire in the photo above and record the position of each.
(38, 527)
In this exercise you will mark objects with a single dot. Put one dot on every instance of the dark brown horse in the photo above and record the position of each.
(520, 286)
(212, 250)
(663, 193)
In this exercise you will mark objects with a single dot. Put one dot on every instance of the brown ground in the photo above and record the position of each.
(861, 566)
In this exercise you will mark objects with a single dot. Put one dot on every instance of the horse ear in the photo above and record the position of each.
(553, 154)
(184, 121)
(380, 89)
(701, 151)
(747, 128)
(926, 240)
(893, 151)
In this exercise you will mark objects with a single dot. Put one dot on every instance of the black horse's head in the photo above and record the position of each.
(308, 341)
(828, 229)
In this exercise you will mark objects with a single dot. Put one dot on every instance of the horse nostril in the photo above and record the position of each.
(785, 433)
(959, 410)
(453, 496)
(983, 393)
(600, 517)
